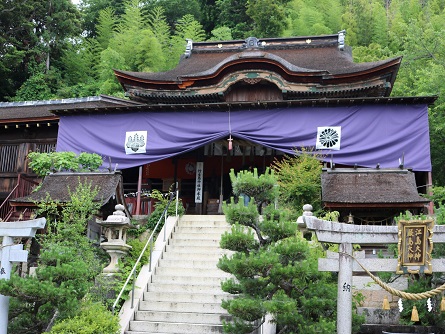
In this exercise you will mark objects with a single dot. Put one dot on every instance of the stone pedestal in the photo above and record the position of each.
(377, 316)
(105, 286)
(116, 251)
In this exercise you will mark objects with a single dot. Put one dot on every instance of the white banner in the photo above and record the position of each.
(328, 137)
(135, 142)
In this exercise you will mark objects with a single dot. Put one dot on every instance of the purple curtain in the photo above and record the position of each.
(370, 134)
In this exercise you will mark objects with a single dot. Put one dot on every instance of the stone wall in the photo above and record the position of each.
(399, 329)
(374, 294)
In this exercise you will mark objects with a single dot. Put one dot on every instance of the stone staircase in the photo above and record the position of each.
(184, 295)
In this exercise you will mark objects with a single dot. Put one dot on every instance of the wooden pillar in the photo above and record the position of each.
(138, 196)
(429, 191)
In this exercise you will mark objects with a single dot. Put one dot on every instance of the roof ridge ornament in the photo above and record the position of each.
(188, 48)
(341, 39)
(253, 42)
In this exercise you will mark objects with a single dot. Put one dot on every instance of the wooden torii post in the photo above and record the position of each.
(10, 252)
(345, 235)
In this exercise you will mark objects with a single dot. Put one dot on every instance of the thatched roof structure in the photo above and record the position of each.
(365, 187)
(59, 185)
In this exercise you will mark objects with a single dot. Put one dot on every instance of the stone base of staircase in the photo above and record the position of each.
(184, 295)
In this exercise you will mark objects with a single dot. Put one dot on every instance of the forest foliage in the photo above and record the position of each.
(54, 49)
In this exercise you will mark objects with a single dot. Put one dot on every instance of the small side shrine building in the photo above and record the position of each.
(365, 196)
(241, 103)
(59, 186)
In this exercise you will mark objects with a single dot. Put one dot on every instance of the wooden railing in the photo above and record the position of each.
(23, 187)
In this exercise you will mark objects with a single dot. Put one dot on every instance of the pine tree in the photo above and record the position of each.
(66, 267)
(274, 267)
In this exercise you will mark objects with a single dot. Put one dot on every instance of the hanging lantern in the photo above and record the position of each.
(230, 142)
(385, 303)
(350, 218)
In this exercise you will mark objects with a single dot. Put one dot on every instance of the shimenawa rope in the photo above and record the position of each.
(401, 294)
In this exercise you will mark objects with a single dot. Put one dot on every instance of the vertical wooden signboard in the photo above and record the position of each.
(199, 182)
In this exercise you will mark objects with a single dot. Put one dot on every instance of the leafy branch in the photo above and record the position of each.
(44, 163)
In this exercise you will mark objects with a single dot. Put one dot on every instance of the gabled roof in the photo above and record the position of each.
(58, 186)
(301, 67)
(40, 111)
(364, 187)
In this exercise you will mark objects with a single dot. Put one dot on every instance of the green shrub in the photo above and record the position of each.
(162, 200)
(93, 318)
(44, 163)
(299, 178)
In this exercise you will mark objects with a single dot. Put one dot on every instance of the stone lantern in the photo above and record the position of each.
(116, 227)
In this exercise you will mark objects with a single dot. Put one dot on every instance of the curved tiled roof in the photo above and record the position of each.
(328, 60)
(42, 110)
(301, 67)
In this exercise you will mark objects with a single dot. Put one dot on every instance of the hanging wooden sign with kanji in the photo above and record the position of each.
(415, 246)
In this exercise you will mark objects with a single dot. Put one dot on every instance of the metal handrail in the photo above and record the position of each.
(149, 241)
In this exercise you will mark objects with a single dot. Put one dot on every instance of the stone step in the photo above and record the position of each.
(179, 254)
(195, 249)
(184, 317)
(181, 307)
(169, 287)
(204, 222)
(187, 242)
(185, 297)
(145, 327)
(186, 262)
(203, 218)
(203, 230)
(186, 280)
(212, 271)
(189, 234)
